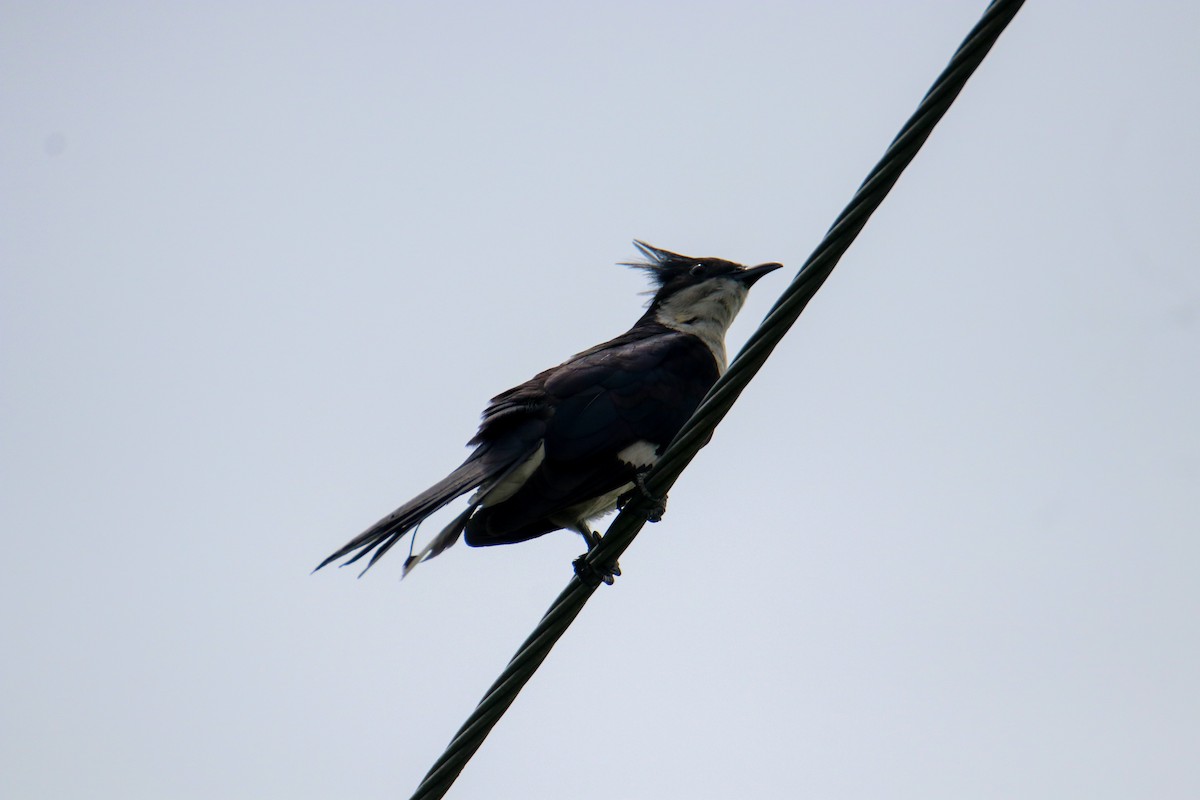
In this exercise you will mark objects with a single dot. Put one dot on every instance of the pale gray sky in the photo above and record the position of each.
(264, 263)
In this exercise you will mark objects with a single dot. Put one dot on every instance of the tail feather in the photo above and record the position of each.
(440, 543)
(381, 536)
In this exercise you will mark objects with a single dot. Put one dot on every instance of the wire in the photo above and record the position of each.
(697, 431)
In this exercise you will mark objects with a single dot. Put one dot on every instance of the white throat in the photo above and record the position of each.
(705, 311)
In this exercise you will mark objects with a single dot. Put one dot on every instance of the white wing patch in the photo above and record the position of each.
(639, 455)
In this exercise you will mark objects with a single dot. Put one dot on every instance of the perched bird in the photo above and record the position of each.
(569, 444)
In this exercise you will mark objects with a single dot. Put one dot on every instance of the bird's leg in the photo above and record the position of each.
(591, 539)
(658, 505)
(589, 574)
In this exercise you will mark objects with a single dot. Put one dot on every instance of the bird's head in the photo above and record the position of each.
(692, 291)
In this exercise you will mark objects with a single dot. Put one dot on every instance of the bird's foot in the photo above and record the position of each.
(594, 575)
(658, 505)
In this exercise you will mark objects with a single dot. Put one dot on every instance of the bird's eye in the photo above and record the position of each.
(697, 270)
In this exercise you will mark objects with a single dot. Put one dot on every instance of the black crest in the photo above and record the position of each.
(671, 272)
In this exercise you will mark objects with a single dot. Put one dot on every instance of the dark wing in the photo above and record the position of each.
(641, 387)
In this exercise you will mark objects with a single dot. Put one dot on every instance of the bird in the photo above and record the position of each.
(572, 443)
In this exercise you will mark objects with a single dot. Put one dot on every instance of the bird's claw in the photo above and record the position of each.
(658, 505)
(594, 575)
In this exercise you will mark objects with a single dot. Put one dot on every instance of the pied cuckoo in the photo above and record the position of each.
(567, 445)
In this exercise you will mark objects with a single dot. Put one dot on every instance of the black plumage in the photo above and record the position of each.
(640, 387)
(562, 447)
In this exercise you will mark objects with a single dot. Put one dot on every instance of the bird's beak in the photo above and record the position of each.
(751, 274)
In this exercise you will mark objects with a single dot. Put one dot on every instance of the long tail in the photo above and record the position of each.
(381, 536)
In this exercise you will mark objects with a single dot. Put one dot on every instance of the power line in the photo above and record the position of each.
(696, 433)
